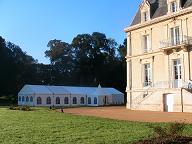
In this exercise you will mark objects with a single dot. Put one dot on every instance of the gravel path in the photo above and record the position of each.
(121, 113)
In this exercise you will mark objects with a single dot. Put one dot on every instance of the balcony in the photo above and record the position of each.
(147, 84)
(175, 44)
(165, 84)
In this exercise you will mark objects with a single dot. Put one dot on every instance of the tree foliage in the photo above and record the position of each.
(89, 60)
(15, 68)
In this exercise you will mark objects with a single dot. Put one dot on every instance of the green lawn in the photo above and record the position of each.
(50, 127)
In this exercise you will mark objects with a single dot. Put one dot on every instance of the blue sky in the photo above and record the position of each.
(32, 23)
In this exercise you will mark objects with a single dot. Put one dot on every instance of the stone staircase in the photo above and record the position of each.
(142, 97)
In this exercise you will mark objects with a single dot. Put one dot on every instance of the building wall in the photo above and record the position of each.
(161, 62)
(155, 101)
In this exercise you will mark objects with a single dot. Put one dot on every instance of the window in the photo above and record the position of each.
(31, 99)
(145, 16)
(39, 101)
(48, 100)
(175, 37)
(146, 41)
(177, 69)
(89, 100)
(177, 73)
(173, 6)
(57, 100)
(19, 98)
(27, 99)
(23, 99)
(66, 100)
(95, 100)
(74, 100)
(82, 100)
(147, 75)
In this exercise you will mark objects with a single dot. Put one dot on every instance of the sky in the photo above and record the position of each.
(31, 24)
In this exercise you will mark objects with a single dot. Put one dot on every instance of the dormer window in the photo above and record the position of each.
(173, 6)
(145, 11)
(146, 16)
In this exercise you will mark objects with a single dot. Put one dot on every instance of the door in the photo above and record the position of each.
(168, 102)
(177, 75)
(105, 100)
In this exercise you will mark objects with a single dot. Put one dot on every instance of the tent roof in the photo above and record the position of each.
(43, 89)
(112, 91)
(31, 89)
(58, 89)
(80, 90)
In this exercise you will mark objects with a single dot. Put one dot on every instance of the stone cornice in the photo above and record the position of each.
(159, 19)
(144, 54)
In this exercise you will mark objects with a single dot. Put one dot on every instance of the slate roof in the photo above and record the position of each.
(158, 8)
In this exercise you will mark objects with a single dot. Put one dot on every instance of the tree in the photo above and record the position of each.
(93, 53)
(61, 55)
(16, 68)
(123, 49)
(6, 70)
(21, 65)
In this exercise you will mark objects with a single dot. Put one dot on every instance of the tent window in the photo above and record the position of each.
(95, 100)
(23, 99)
(57, 100)
(27, 99)
(19, 98)
(74, 100)
(31, 99)
(39, 101)
(66, 100)
(48, 100)
(89, 100)
(82, 100)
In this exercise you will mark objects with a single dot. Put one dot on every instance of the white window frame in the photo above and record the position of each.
(145, 16)
(177, 73)
(147, 69)
(175, 35)
(146, 43)
(173, 6)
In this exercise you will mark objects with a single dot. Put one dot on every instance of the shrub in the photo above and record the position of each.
(14, 107)
(168, 135)
(26, 108)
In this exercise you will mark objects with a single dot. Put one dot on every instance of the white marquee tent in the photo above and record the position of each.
(41, 95)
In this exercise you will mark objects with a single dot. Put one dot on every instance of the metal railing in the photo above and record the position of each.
(147, 84)
(179, 40)
(165, 84)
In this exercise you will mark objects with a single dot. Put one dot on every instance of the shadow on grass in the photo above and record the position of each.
(171, 134)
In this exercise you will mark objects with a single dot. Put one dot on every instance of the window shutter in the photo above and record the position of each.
(177, 35)
(149, 43)
(172, 36)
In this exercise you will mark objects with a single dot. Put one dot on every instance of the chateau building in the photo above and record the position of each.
(159, 56)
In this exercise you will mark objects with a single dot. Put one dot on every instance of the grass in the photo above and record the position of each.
(50, 127)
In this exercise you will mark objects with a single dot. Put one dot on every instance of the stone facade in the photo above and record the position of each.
(159, 56)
